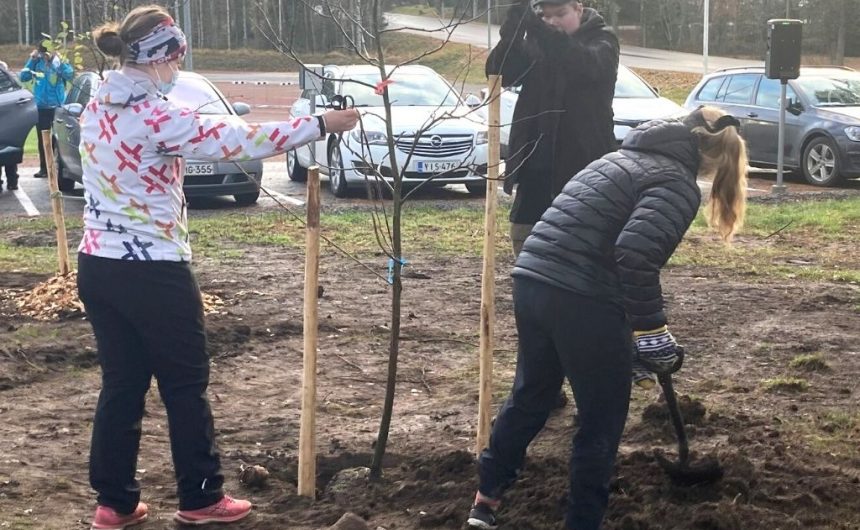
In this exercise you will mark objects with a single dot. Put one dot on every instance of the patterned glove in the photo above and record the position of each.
(643, 377)
(657, 351)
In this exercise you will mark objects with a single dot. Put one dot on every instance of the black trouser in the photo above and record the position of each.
(148, 321)
(11, 170)
(46, 121)
(562, 334)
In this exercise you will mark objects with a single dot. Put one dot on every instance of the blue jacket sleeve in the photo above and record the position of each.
(26, 74)
(66, 72)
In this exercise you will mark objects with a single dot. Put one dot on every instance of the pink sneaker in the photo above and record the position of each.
(226, 510)
(108, 518)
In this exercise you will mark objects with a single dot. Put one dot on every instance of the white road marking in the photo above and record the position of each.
(284, 198)
(26, 203)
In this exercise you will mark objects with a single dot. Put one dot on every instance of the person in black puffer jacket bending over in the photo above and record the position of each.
(587, 293)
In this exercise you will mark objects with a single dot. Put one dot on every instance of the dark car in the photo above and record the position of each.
(18, 115)
(822, 123)
(202, 178)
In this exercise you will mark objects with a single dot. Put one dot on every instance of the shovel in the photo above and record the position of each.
(682, 472)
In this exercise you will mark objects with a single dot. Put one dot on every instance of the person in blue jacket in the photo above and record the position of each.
(50, 73)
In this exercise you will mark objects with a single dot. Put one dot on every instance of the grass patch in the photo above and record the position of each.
(671, 85)
(822, 233)
(31, 145)
(457, 231)
(39, 256)
(834, 432)
(785, 384)
(41, 260)
(813, 362)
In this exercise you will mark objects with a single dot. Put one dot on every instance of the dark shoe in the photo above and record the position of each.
(12, 184)
(482, 516)
(40, 175)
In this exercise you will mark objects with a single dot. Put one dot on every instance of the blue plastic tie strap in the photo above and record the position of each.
(403, 263)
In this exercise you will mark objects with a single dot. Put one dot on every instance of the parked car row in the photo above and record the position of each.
(822, 136)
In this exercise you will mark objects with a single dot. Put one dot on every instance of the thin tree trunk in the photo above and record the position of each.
(397, 287)
(244, 23)
(74, 22)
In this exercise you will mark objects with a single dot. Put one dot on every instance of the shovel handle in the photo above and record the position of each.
(675, 413)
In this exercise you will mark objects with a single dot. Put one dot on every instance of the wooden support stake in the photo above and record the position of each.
(57, 206)
(488, 275)
(307, 434)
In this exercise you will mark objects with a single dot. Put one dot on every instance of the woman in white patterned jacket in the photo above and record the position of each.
(134, 276)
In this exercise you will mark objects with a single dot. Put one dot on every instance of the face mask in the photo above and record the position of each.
(166, 87)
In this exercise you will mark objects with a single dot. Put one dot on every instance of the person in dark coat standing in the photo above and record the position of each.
(588, 300)
(566, 61)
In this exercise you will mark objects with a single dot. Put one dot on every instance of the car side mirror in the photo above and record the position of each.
(74, 109)
(655, 89)
(472, 101)
(241, 108)
(794, 107)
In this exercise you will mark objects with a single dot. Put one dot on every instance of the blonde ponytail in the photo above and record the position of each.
(724, 157)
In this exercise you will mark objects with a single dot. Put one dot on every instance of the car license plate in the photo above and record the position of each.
(199, 169)
(436, 166)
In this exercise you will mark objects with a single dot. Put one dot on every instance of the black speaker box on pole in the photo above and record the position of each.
(782, 60)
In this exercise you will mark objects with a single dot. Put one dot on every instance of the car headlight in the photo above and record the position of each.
(853, 133)
(369, 137)
(482, 137)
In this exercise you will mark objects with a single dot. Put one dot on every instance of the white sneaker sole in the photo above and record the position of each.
(477, 523)
(210, 520)
(136, 522)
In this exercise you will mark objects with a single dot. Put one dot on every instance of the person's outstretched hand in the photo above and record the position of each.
(337, 121)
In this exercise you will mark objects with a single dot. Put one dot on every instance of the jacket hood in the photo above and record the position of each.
(125, 88)
(668, 138)
(591, 20)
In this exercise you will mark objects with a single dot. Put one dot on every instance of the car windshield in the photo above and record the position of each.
(197, 94)
(628, 85)
(842, 90)
(406, 89)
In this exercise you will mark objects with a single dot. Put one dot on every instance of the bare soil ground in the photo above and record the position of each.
(790, 453)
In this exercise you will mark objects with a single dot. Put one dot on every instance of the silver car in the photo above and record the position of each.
(18, 115)
(202, 178)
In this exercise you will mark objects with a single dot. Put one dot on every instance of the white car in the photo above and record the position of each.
(438, 137)
(635, 102)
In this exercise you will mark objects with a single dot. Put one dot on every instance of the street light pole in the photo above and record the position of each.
(489, 27)
(706, 28)
(186, 21)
